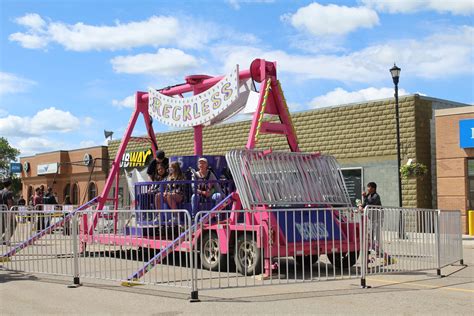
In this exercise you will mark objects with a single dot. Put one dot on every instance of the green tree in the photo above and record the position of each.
(7, 155)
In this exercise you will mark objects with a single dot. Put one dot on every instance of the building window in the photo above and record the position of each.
(92, 191)
(470, 182)
(75, 194)
(67, 192)
(354, 183)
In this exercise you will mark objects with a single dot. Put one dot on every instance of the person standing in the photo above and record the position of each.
(49, 201)
(38, 198)
(375, 215)
(49, 197)
(8, 217)
(38, 204)
(371, 197)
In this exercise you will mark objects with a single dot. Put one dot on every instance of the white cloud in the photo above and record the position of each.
(155, 31)
(166, 62)
(3, 113)
(31, 41)
(32, 145)
(36, 36)
(437, 56)
(340, 96)
(88, 121)
(87, 143)
(44, 121)
(31, 20)
(457, 7)
(10, 83)
(332, 19)
(235, 4)
(52, 119)
(128, 102)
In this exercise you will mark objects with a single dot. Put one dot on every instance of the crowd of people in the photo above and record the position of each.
(172, 192)
(39, 200)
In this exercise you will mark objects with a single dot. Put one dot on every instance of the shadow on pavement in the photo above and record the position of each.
(13, 276)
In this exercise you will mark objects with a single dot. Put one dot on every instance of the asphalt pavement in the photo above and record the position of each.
(420, 292)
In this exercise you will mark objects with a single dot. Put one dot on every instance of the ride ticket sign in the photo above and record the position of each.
(199, 109)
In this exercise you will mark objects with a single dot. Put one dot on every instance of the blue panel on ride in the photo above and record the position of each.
(300, 226)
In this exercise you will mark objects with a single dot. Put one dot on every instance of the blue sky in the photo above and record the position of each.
(68, 69)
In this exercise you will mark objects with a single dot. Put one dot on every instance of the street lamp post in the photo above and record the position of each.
(395, 71)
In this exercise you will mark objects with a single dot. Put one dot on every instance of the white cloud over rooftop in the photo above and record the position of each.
(340, 96)
(165, 62)
(44, 121)
(439, 55)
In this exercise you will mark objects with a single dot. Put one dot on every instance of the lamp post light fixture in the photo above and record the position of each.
(395, 71)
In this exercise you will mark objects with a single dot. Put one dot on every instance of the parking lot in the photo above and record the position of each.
(411, 293)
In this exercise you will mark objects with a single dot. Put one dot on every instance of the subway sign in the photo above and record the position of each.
(135, 158)
(466, 133)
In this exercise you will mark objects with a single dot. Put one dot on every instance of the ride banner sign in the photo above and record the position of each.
(199, 109)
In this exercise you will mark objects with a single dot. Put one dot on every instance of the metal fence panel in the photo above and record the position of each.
(408, 239)
(124, 242)
(450, 238)
(51, 254)
(276, 246)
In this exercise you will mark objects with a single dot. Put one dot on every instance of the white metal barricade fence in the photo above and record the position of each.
(125, 246)
(230, 248)
(276, 246)
(409, 239)
(51, 254)
(449, 238)
(122, 244)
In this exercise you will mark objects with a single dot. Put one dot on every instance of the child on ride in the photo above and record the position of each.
(174, 193)
(160, 175)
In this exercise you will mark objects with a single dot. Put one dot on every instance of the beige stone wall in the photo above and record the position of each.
(423, 114)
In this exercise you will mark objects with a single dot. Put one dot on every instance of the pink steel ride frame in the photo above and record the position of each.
(260, 71)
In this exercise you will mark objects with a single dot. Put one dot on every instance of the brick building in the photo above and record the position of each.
(79, 173)
(455, 159)
(362, 136)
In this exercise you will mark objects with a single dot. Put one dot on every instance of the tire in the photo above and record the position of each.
(247, 256)
(337, 259)
(308, 260)
(210, 254)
